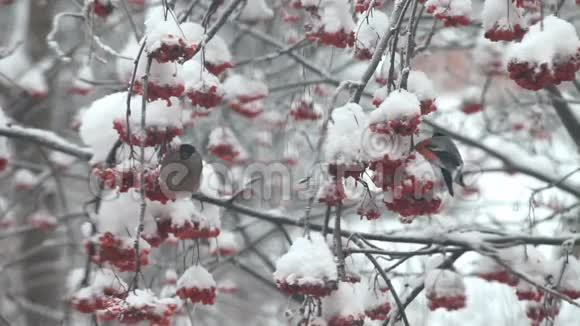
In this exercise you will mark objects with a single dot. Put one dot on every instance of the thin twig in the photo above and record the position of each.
(380, 49)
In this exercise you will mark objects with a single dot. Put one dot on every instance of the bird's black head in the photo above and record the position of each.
(186, 150)
(438, 133)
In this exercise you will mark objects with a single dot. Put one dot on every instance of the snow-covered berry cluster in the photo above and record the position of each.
(331, 23)
(197, 285)
(368, 33)
(503, 21)
(450, 12)
(541, 59)
(307, 268)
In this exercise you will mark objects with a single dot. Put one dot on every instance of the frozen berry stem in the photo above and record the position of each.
(143, 203)
(130, 89)
(338, 243)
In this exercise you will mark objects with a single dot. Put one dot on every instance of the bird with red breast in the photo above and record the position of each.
(441, 151)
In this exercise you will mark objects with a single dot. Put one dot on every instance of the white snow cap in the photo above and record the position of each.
(344, 302)
(501, 14)
(96, 128)
(434, 262)
(160, 31)
(422, 170)
(105, 278)
(308, 261)
(571, 277)
(399, 104)
(207, 216)
(224, 135)
(336, 16)
(25, 178)
(118, 216)
(60, 159)
(158, 113)
(557, 41)
(160, 74)
(141, 298)
(144, 299)
(345, 134)
(34, 81)
(444, 283)
(170, 275)
(197, 78)
(530, 261)
(217, 51)
(196, 277)
(184, 210)
(226, 240)
(369, 31)
(382, 72)
(256, 10)
(420, 85)
(238, 86)
(452, 8)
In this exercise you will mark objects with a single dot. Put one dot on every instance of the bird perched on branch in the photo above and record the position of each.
(181, 170)
(441, 152)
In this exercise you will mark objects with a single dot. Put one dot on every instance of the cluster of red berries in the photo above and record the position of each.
(379, 312)
(448, 20)
(196, 295)
(156, 91)
(102, 8)
(304, 110)
(97, 301)
(332, 193)
(3, 163)
(428, 106)
(469, 107)
(449, 303)
(207, 99)
(316, 290)
(350, 320)
(249, 110)
(404, 126)
(152, 136)
(224, 151)
(218, 69)
(174, 52)
(117, 252)
(126, 314)
(340, 39)
(112, 178)
(535, 76)
(364, 5)
(537, 312)
(512, 33)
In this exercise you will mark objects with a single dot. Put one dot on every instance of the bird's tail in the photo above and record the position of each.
(459, 179)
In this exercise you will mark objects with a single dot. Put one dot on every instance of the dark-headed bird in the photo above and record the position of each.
(441, 152)
(181, 169)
